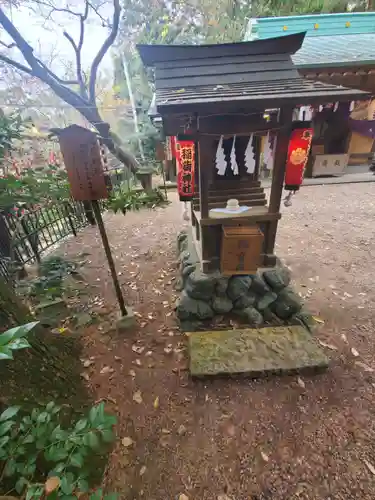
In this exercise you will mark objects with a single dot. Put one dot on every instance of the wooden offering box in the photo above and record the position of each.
(241, 250)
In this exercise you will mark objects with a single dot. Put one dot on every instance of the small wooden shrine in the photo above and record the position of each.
(222, 99)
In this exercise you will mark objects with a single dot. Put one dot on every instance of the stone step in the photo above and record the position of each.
(255, 352)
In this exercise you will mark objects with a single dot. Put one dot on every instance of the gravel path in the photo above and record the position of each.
(278, 439)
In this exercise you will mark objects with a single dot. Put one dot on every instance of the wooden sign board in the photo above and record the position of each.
(329, 164)
(241, 250)
(84, 164)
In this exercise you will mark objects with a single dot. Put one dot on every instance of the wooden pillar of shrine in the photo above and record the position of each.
(281, 154)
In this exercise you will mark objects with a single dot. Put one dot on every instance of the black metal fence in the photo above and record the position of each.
(24, 236)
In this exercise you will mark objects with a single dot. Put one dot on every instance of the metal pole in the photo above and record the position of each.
(107, 249)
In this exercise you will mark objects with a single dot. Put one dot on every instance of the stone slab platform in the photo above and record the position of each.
(254, 352)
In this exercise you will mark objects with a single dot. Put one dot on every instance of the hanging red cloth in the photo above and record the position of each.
(298, 154)
(185, 161)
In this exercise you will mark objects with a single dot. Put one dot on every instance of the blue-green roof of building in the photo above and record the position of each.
(331, 39)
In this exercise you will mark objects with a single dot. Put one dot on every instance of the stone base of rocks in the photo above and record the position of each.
(264, 299)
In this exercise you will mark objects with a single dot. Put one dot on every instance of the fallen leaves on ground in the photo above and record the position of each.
(265, 457)
(318, 320)
(137, 397)
(344, 338)
(181, 430)
(87, 363)
(354, 352)
(328, 346)
(143, 470)
(156, 403)
(138, 349)
(106, 369)
(370, 467)
(168, 349)
(127, 441)
(301, 383)
(364, 366)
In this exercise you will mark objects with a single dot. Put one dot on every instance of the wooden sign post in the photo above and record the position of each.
(83, 161)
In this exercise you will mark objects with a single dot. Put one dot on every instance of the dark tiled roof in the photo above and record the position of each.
(258, 95)
(254, 74)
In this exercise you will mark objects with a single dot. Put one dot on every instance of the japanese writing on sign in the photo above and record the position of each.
(185, 157)
(84, 164)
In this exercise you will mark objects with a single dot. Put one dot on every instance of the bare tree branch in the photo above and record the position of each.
(7, 45)
(78, 49)
(57, 78)
(16, 65)
(96, 10)
(104, 48)
(56, 9)
(84, 104)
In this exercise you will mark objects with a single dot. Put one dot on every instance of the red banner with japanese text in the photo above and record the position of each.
(298, 154)
(185, 161)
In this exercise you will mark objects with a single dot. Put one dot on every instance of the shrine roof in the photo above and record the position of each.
(332, 40)
(256, 74)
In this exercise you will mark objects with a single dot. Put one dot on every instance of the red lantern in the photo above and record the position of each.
(185, 160)
(298, 154)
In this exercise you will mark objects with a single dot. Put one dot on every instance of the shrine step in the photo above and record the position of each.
(239, 196)
(254, 352)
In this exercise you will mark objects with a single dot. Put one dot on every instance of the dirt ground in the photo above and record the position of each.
(279, 438)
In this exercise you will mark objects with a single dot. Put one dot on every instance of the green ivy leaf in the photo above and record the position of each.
(81, 424)
(18, 344)
(93, 415)
(16, 333)
(58, 434)
(3, 441)
(56, 454)
(5, 353)
(20, 485)
(57, 469)
(28, 439)
(5, 427)
(76, 460)
(9, 413)
(91, 440)
(10, 468)
(40, 443)
(43, 417)
(50, 406)
(34, 414)
(108, 436)
(66, 486)
(111, 496)
(83, 485)
(35, 491)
